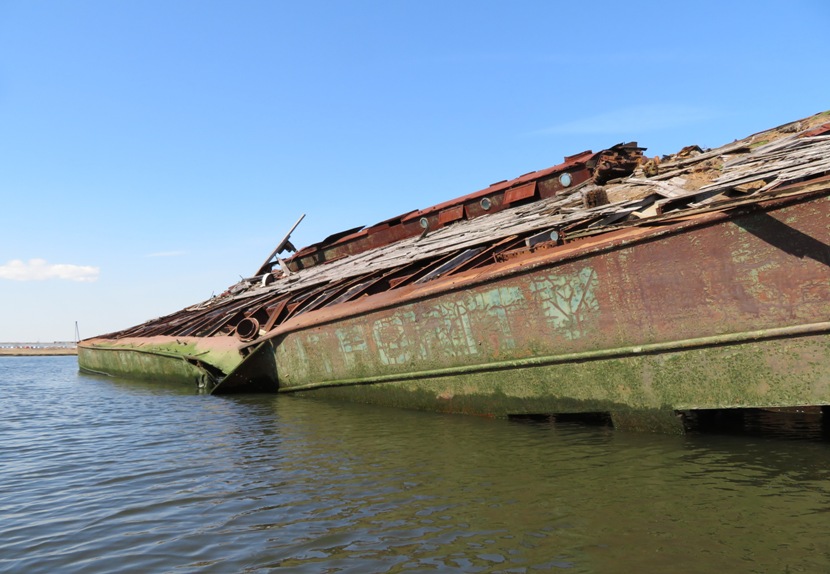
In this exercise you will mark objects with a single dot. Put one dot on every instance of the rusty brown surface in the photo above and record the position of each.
(725, 309)
(618, 161)
(636, 207)
(693, 260)
(821, 130)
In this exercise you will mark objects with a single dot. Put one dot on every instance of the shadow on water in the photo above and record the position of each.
(811, 424)
(793, 424)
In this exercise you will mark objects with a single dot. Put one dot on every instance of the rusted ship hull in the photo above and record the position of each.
(717, 310)
(604, 284)
(182, 360)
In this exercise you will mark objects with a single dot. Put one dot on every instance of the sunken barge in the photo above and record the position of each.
(643, 288)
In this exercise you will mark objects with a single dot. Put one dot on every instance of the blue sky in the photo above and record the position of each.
(152, 152)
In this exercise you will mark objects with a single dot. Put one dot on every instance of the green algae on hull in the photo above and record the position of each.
(190, 360)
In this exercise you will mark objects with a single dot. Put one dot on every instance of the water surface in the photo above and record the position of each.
(108, 475)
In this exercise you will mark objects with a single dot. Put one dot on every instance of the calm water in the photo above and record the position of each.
(101, 475)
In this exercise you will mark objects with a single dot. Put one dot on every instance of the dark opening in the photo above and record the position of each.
(792, 423)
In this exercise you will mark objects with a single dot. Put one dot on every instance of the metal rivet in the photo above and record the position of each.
(565, 179)
(485, 204)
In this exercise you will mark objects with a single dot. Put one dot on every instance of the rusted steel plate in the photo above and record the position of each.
(821, 130)
(521, 192)
(551, 186)
(498, 196)
(451, 214)
(705, 278)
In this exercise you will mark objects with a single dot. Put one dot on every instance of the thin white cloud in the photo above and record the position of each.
(167, 254)
(40, 270)
(635, 119)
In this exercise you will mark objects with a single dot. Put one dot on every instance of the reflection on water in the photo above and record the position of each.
(101, 475)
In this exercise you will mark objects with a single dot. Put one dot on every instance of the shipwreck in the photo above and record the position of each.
(644, 288)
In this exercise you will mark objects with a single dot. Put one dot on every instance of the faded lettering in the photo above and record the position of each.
(389, 334)
(567, 301)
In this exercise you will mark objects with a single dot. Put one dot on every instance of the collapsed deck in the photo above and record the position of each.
(611, 282)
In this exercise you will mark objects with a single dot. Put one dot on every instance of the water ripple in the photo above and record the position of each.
(100, 475)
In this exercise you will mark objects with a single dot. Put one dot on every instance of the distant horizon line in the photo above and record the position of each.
(38, 343)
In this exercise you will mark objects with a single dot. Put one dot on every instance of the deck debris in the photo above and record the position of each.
(587, 195)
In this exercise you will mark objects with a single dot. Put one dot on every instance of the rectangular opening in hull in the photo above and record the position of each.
(789, 423)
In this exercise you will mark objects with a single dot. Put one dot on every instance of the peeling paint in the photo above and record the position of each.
(568, 301)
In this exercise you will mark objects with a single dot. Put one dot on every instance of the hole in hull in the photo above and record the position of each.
(790, 423)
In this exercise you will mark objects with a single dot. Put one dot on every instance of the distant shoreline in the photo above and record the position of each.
(37, 351)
